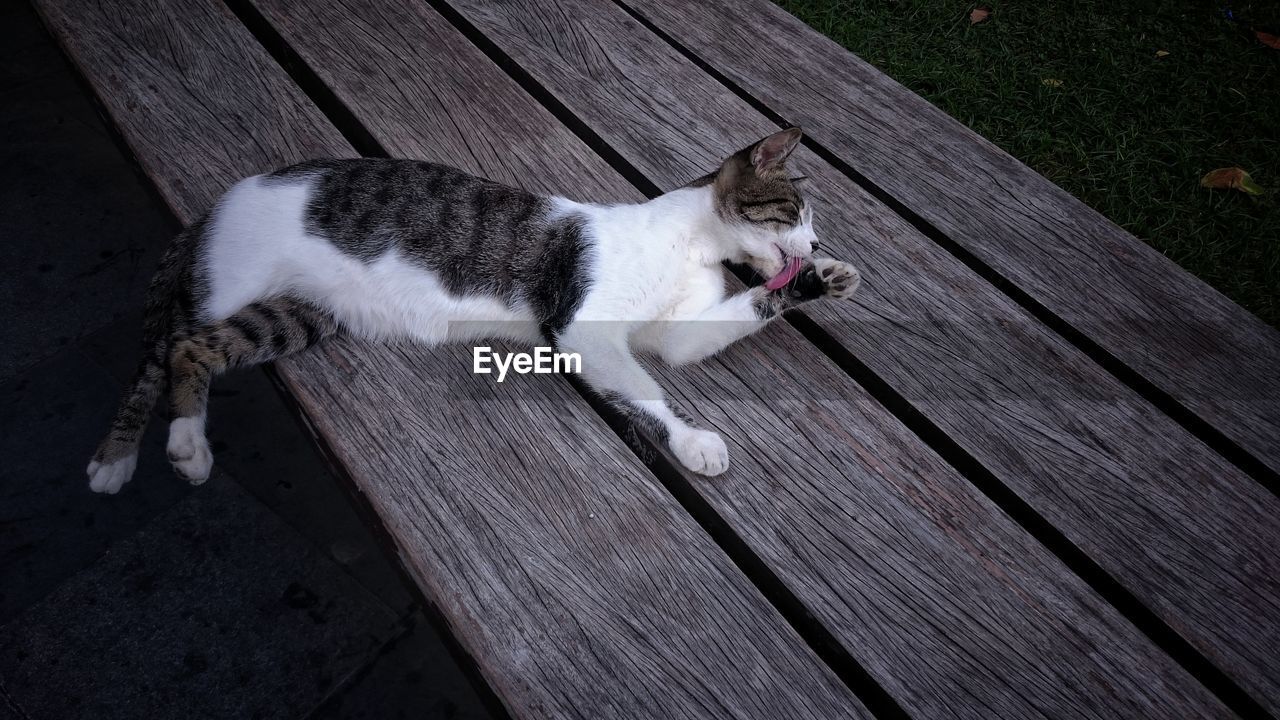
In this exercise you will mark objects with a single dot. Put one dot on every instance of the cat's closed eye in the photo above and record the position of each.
(780, 211)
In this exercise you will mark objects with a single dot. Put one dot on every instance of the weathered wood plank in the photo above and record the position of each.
(572, 578)
(866, 524)
(181, 84)
(1189, 340)
(576, 582)
(1107, 469)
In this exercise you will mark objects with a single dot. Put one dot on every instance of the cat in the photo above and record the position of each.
(399, 249)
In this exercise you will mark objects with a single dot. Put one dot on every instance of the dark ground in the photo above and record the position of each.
(259, 594)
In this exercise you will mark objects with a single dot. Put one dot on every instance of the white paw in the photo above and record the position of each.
(189, 450)
(701, 451)
(841, 279)
(110, 477)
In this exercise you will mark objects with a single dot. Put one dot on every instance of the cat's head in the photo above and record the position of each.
(767, 218)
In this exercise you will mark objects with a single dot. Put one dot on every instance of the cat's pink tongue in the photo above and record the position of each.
(785, 276)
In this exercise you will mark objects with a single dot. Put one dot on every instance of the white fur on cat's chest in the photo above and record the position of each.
(642, 269)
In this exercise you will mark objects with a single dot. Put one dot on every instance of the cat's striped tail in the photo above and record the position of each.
(167, 308)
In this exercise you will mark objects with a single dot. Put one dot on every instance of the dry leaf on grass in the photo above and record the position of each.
(1232, 178)
(1162, 53)
(1267, 39)
(979, 14)
(1052, 82)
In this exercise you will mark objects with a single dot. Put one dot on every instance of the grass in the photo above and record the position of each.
(1127, 132)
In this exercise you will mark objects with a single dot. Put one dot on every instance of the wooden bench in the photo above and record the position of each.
(1002, 482)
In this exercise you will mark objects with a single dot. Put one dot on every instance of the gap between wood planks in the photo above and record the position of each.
(1081, 564)
(811, 631)
(788, 604)
(1163, 401)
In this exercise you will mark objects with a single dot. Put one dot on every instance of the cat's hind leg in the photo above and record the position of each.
(117, 455)
(258, 333)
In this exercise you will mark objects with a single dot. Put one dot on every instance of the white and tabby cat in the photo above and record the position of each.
(401, 249)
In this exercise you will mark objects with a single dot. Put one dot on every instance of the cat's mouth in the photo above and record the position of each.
(790, 268)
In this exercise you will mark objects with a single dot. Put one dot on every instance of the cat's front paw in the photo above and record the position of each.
(189, 450)
(701, 451)
(805, 287)
(839, 278)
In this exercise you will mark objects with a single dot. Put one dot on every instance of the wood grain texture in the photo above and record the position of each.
(178, 80)
(580, 586)
(953, 608)
(1182, 529)
(1192, 342)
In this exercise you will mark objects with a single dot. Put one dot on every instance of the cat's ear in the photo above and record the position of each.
(770, 153)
